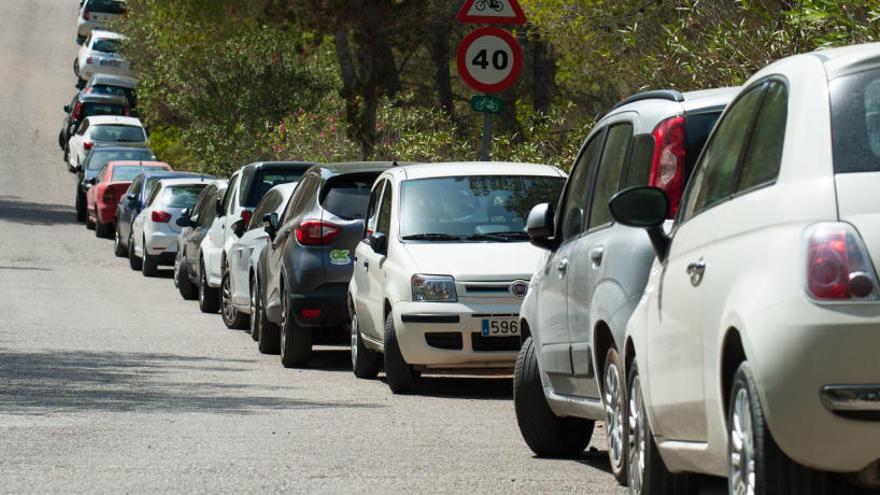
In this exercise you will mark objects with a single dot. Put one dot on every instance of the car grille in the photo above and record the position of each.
(444, 340)
(489, 344)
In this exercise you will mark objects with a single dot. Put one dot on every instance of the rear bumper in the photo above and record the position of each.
(329, 299)
(106, 213)
(161, 244)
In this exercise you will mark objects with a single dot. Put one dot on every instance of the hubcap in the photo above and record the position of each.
(253, 308)
(354, 340)
(636, 437)
(742, 446)
(614, 415)
(228, 309)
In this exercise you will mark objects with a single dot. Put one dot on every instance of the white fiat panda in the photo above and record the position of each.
(444, 264)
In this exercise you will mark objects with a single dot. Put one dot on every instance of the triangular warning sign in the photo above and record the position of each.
(491, 12)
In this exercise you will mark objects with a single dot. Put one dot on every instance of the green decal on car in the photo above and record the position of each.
(339, 257)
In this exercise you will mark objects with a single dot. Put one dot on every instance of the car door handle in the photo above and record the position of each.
(366, 265)
(696, 272)
(562, 267)
(596, 255)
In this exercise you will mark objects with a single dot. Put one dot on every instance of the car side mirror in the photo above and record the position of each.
(379, 243)
(540, 226)
(92, 181)
(66, 108)
(218, 208)
(646, 208)
(184, 220)
(270, 224)
(238, 228)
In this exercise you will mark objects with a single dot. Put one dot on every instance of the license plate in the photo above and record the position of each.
(500, 327)
(111, 63)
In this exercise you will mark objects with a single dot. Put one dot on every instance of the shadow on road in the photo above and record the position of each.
(15, 210)
(65, 381)
(465, 387)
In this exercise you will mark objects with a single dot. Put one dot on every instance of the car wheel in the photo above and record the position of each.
(614, 399)
(90, 224)
(365, 362)
(268, 338)
(102, 230)
(546, 434)
(646, 472)
(118, 249)
(401, 376)
(232, 318)
(188, 290)
(76, 68)
(209, 297)
(296, 340)
(61, 139)
(80, 205)
(150, 266)
(134, 261)
(255, 310)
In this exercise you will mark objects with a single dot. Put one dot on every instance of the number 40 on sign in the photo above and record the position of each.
(490, 60)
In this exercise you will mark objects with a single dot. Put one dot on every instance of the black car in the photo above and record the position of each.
(88, 105)
(301, 285)
(95, 161)
(195, 226)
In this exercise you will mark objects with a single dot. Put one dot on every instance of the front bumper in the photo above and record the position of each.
(449, 336)
(818, 374)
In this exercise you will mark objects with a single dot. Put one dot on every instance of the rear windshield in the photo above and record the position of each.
(106, 89)
(122, 174)
(118, 133)
(263, 181)
(855, 122)
(107, 6)
(348, 196)
(106, 46)
(182, 196)
(99, 158)
(98, 109)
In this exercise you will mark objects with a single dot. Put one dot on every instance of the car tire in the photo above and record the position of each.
(61, 139)
(209, 297)
(646, 472)
(118, 249)
(102, 230)
(255, 310)
(749, 438)
(269, 339)
(188, 290)
(614, 400)
(401, 377)
(80, 205)
(296, 340)
(76, 68)
(546, 434)
(365, 363)
(89, 223)
(232, 318)
(150, 266)
(135, 262)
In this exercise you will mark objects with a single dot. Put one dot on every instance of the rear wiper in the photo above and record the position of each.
(431, 236)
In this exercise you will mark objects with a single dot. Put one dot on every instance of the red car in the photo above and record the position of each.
(108, 187)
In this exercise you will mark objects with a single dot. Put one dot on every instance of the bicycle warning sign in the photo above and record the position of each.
(491, 12)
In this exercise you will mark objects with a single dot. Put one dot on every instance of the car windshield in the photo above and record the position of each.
(100, 157)
(127, 174)
(118, 133)
(183, 196)
(476, 208)
(107, 6)
(106, 46)
(348, 196)
(263, 181)
(98, 109)
(855, 122)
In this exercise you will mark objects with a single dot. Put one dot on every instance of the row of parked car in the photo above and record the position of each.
(738, 336)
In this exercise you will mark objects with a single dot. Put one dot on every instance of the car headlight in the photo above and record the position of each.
(433, 288)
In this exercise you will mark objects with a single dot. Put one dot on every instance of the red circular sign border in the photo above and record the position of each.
(508, 81)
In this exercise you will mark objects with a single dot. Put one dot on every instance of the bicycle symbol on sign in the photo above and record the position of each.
(488, 105)
(496, 5)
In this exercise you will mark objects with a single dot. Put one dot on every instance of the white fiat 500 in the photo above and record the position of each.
(755, 351)
(443, 267)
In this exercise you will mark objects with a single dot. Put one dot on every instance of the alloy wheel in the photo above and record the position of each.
(283, 321)
(742, 446)
(636, 437)
(614, 414)
(255, 318)
(228, 308)
(354, 340)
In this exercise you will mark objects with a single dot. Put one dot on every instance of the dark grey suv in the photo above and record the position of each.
(304, 271)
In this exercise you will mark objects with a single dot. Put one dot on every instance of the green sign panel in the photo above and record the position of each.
(487, 104)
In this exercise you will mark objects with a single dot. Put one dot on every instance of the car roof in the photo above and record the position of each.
(112, 80)
(252, 168)
(328, 170)
(110, 35)
(689, 101)
(113, 119)
(464, 169)
(138, 163)
(111, 147)
(170, 174)
(849, 59)
(101, 98)
(185, 181)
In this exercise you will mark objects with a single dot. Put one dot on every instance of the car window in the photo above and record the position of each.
(126, 173)
(196, 210)
(764, 155)
(106, 45)
(715, 178)
(383, 222)
(855, 122)
(83, 128)
(611, 166)
(347, 196)
(208, 211)
(119, 133)
(228, 206)
(254, 188)
(98, 157)
(182, 196)
(107, 6)
(373, 209)
(574, 204)
(152, 196)
(100, 109)
(301, 197)
(102, 174)
(136, 185)
(270, 202)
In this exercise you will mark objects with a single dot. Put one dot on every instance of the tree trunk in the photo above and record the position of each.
(441, 59)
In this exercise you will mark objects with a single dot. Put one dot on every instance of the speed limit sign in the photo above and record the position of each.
(490, 60)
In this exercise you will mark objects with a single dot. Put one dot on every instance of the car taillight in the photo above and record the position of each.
(87, 15)
(87, 145)
(89, 60)
(316, 233)
(161, 216)
(310, 313)
(126, 111)
(668, 162)
(108, 196)
(838, 267)
(77, 110)
(246, 217)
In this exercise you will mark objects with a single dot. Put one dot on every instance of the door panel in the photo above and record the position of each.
(365, 297)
